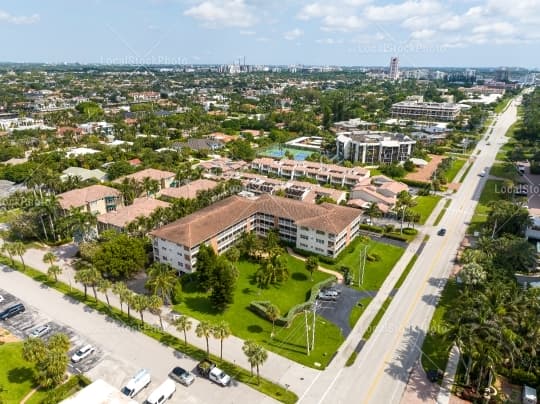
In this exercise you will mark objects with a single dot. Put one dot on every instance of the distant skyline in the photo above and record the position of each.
(452, 33)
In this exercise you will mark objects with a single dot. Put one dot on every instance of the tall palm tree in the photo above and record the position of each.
(49, 257)
(88, 277)
(273, 313)
(204, 329)
(19, 249)
(373, 210)
(184, 324)
(256, 356)
(221, 331)
(129, 298)
(162, 280)
(120, 289)
(81, 224)
(150, 186)
(403, 203)
(54, 271)
(155, 304)
(104, 285)
(8, 248)
(140, 304)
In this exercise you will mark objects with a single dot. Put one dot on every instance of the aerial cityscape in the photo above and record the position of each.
(237, 201)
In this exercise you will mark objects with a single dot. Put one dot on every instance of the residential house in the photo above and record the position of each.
(83, 174)
(165, 179)
(96, 199)
(190, 190)
(118, 219)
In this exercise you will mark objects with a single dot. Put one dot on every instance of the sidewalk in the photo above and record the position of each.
(278, 369)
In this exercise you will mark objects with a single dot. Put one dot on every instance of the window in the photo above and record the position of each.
(303, 236)
(320, 232)
(186, 256)
(164, 258)
(180, 264)
(320, 241)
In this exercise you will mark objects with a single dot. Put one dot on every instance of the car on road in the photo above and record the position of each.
(82, 353)
(40, 331)
(482, 173)
(488, 143)
(441, 232)
(323, 295)
(12, 311)
(182, 376)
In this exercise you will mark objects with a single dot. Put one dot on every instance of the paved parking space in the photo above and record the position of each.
(23, 324)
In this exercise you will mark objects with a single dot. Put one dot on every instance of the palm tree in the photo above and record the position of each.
(104, 285)
(204, 329)
(54, 271)
(8, 248)
(162, 279)
(81, 224)
(19, 249)
(272, 270)
(50, 257)
(221, 331)
(184, 324)
(312, 263)
(88, 276)
(155, 304)
(256, 356)
(273, 313)
(129, 299)
(140, 304)
(120, 289)
(403, 203)
(373, 210)
(150, 186)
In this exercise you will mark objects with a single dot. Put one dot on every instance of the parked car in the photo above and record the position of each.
(331, 291)
(441, 232)
(138, 382)
(40, 331)
(323, 295)
(182, 376)
(208, 369)
(82, 353)
(12, 311)
(163, 393)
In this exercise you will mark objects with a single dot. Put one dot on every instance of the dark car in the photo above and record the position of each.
(441, 232)
(182, 376)
(12, 311)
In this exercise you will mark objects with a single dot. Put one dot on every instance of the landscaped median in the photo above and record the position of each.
(242, 375)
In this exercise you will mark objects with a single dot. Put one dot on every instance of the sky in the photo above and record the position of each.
(461, 33)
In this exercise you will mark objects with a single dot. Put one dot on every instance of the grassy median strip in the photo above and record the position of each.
(375, 322)
(240, 374)
(442, 212)
(406, 271)
(466, 172)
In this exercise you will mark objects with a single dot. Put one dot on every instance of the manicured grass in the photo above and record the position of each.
(504, 170)
(289, 342)
(357, 310)
(375, 322)
(351, 359)
(16, 374)
(375, 271)
(425, 205)
(464, 175)
(489, 193)
(406, 271)
(265, 386)
(436, 346)
(501, 105)
(457, 164)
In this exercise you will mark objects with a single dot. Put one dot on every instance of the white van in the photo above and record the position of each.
(137, 383)
(162, 393)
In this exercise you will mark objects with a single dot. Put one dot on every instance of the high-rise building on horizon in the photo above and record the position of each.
(393, 73)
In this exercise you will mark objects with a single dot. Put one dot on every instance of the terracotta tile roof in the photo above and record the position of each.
(208, 222)
(140, 207)
(148, 173)
(189, 191)
(77, 198)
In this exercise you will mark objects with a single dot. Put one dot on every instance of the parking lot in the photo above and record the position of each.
(22, 325)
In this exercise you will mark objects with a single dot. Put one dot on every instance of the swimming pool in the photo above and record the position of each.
(277, 152)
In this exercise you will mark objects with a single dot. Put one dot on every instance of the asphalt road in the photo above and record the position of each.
(383, 366)
(129, 349)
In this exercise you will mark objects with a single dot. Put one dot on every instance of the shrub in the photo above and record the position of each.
(414, 183)
(396, 236)
(375, 229)
(373, 257)
(410, 231)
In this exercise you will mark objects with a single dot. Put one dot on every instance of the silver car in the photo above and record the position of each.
(40, 331)
(182, 376)
(82, 353)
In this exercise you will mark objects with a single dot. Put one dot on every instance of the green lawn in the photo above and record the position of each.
(16, 374)
(504, 170)
(376, 271)
(357, 310)
(436, 347)
(289, 342)
(425, 205)
(489, 193)
(457, 164)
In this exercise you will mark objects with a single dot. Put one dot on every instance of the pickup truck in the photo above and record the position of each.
(208, 369)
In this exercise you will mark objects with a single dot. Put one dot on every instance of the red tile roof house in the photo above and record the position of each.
(134, 162)
(119, 219)
(97, 199)
(190, 190)
(164, 178)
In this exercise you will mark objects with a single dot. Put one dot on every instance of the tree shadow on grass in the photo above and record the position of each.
(299, 276)
(20, 375)
(287, 346)
(200, 304)
(254, 328)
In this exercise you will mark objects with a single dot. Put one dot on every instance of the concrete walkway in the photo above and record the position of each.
(338, 275)
(278, 369)
(445, 392)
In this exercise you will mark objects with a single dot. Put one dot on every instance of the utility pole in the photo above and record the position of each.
(362, 266)
(307, 330)
(313, 326)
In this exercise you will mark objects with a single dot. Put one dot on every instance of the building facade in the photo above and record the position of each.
(426, 111)
(393, 71)
(374, 147)
(324, 229)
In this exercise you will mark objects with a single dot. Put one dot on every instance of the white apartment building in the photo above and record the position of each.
(426, 111)
(374, 147)
(323, 229)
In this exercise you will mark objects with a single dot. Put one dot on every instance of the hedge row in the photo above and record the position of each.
(74, 384)
(259, 307)
(414, 183)
(374, 229)
(398, 237)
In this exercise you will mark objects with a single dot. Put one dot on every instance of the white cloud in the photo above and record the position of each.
(18, 20)
(399, 11)
(293, 34)
(500, 28)
(423, 34)
(226, 13)
(341, 15)
(329, 41)
(342, 23)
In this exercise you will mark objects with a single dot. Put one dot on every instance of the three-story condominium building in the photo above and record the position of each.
(374, 147)
(426, 111)
(324, 229)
